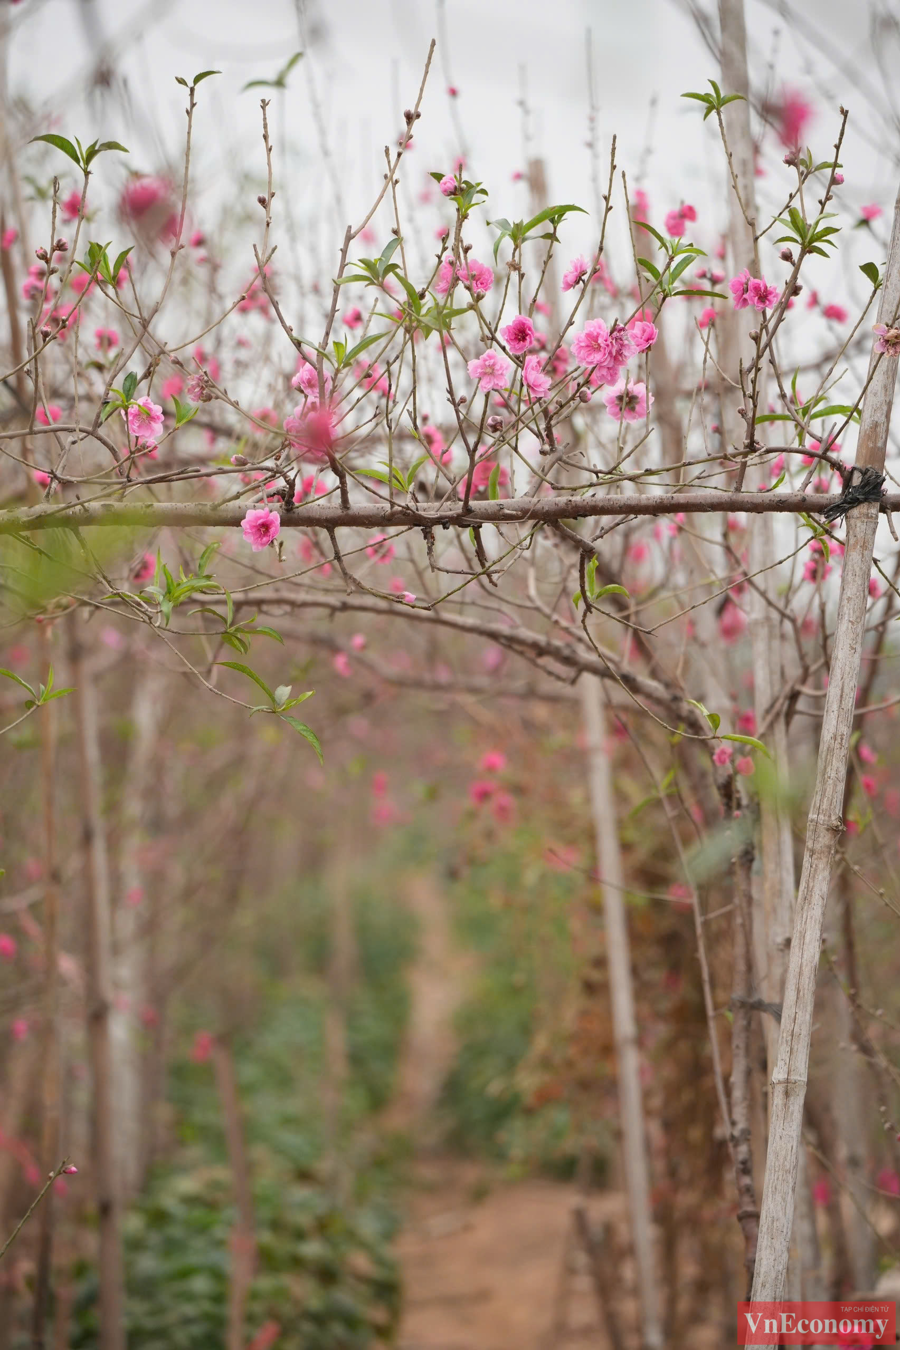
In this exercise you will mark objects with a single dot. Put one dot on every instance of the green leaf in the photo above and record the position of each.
(612, 589)
(373, 473)
(129, 384)
(108, 409)
(650, 267)
(205, 556)
(870, 270)
(120, 263)
(366, 342)
(11, 675)
(95, 150)
(712, 718)
(494, 484)
(746, 740)
(204, 75)
(61, 144)
(179, 79)
(305, 731)
(554, 213)
(183, 413)
(282, 694)
(264, 631)
(251, 674)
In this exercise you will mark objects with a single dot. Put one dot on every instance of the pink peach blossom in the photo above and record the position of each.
(628, 402)
(574, 273)
(534, 379)
(723, 755)
(341, 663)
(145, 419)
(380, 549)
(8, 947)
(518, 335)
(260, 526)
(642, 334)
(490, 370)
(871, 212)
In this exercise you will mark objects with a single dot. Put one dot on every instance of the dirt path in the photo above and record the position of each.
(483, 1271)
(482, 1258)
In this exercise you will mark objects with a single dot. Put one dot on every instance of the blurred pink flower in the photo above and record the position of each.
(380, 549)
(494, 761)
(481, 790)
(732, 622)
(8, 947)
(745, 766)
(19, 1029)
(358, 642)
(354, 318)
(9, 237)
(503, 808)
(866, 753)
(870, 212)
(55, 414)
(341, 663)
(723, 755)
(71, 206)
(836, 312)
(105, 339)
(792, 113)
(202, 1047)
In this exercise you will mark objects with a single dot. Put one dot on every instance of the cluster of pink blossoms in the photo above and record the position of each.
(477, 277)
(606, 352)
(676, 220)
(754, 291)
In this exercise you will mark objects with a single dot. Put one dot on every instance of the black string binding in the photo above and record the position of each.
(868, 487)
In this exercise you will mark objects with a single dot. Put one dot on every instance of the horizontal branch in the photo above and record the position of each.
(528, 510)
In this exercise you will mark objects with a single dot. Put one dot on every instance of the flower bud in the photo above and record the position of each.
(70, 1171)
(61, 246)
(239, 460)
(495, 423)
(786, 255)
(584, 396)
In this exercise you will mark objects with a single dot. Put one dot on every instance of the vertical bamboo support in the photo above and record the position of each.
(634, 1136)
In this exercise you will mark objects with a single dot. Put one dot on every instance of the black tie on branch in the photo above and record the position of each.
(860, 485)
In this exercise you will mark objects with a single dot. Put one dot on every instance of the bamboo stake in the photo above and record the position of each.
(634, 1139)
(825, 822)
(99, 995)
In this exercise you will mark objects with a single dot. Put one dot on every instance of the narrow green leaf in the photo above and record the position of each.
(746, 740)
(251, 674)
(11, 675)
(305, 731)
(61, 144)
(204, 75)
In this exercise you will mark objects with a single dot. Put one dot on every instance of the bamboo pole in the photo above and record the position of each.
(618, 954)
(99, 994)
(825, 822)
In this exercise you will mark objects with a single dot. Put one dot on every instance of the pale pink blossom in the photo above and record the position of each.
(341, 663)
(8, 947)
(738, 286)
(19, 1029)
(444, 279)
(448, 185)
(745, 766)
(643, 334)
(866, 753)
(260, 526)
(307, 379)
(575, 272)
(518, 335)
(145, 420)
(476, 277)
(628, 402)
(870, 212)
(534, 379)
(723, 755)
(595, 346)
(8, 237)
(888, 340)
(868, 785)
(354, 318)
(490, 370)
(358, 642)
(707, 317)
